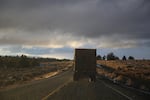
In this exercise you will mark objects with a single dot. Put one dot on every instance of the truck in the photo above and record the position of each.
(84, 64)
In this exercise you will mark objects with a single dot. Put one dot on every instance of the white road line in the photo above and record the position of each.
(117, 91)
(58, 75)
(56, 90)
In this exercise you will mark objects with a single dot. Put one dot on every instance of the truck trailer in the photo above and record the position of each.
(85, 64)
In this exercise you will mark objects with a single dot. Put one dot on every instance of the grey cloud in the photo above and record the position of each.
(37, 50)
(128, 19)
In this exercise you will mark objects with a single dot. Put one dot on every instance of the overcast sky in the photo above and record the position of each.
(53, 28)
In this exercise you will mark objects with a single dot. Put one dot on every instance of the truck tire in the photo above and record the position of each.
(92, 78)
(75, 77)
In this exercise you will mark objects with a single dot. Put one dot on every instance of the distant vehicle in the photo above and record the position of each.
(85, 64)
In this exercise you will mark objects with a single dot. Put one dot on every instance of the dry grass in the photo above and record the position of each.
(125, 64)
(13, 76)
(134, 73)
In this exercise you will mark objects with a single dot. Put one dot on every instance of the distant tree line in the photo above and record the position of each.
(112, 56)
(22, 61)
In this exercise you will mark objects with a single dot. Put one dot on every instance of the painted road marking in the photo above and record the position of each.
(56, 90)
(117, 91)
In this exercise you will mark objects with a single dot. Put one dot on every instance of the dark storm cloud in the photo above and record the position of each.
(126, 19)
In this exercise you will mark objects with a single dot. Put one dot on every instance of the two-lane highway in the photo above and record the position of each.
(99, 90)
(62, 87)
(38, 89)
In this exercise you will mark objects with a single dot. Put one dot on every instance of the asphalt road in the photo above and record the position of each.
(62, 87)
(36, 90)
(99, 90)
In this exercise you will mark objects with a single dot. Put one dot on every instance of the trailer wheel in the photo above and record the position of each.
(75, 77)
(92, 78)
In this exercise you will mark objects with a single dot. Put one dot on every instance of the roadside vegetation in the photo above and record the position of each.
(15, 70)
(127, 71)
